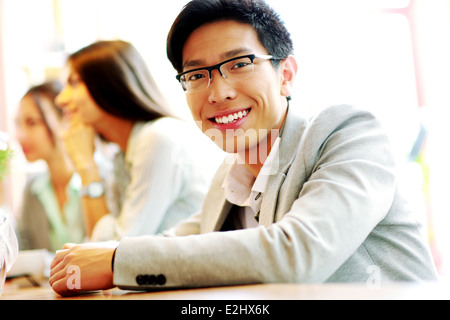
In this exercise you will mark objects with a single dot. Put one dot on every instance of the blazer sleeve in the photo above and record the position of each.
(338, 187)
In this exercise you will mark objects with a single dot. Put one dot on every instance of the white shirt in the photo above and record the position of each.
(243, 190)
(162, 178)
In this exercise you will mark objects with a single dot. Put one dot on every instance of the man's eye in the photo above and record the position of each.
(240, 65)
(195, 77)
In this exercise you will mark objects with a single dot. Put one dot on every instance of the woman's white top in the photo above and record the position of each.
(161, 179)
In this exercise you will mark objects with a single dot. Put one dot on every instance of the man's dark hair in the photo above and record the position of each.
(265, 21)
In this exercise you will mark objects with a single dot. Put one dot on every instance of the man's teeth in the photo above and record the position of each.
(232, 117)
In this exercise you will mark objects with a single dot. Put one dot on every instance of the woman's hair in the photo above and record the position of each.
(119, 81)
(49, 91)
(265, 21)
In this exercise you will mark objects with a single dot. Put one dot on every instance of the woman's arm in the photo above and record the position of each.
(79, 143)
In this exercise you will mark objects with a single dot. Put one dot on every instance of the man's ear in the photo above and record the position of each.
(288, 68)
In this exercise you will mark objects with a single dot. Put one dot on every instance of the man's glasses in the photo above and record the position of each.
(233, 69)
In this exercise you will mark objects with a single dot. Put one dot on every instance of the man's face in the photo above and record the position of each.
(252, 106)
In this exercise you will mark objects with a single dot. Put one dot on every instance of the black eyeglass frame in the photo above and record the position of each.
(252, 57)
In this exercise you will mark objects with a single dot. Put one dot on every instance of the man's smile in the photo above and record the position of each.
(230, 117)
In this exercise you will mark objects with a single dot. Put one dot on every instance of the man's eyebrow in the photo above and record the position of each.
(224, 56)
(192, 63)
(236, 52)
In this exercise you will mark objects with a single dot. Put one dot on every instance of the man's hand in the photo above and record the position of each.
(80, 268)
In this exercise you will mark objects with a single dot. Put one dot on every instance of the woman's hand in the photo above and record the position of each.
(79, 143)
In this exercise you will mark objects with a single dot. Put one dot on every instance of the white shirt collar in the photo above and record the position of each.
(269, 168)
(239, 184)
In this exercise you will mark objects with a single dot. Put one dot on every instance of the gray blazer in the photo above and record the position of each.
(331, 213)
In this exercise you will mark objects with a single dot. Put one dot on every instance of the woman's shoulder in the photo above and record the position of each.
(169, 129)
(37, 181)
(172, 123)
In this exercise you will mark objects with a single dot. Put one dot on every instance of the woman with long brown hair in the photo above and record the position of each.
(161, 177)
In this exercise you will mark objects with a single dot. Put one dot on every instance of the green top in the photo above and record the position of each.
(66, 226)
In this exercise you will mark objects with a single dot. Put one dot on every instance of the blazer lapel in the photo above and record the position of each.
(270, 198)
(290, 140)
(216, 208)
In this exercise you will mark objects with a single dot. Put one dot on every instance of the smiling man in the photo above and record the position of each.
(242, 95)
(302, 201)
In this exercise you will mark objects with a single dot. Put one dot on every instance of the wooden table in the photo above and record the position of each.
(401, 291)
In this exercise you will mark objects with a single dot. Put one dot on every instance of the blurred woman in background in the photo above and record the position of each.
(51, 213)
(162, 170)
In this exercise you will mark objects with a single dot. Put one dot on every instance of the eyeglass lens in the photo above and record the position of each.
(234, 70)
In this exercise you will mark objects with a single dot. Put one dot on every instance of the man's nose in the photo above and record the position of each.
(220, 89)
